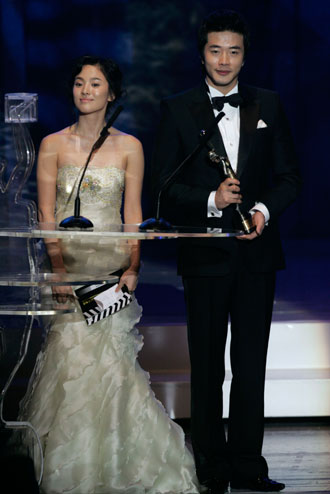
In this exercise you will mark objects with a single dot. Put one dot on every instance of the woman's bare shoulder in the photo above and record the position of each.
(127, 141)
(54, 141)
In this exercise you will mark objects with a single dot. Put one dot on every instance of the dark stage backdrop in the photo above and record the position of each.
(154, 43)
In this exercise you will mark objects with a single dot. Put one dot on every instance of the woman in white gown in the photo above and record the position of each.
(101, 427)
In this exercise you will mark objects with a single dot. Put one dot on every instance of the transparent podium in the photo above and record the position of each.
(36, 305)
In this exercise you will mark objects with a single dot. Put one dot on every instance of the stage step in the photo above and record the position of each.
(298, 368)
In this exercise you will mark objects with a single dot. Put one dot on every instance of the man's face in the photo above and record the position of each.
(223, 59)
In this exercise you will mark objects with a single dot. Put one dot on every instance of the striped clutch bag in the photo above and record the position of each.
(100, 301)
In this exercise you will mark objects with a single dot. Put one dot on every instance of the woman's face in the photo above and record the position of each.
(91, 91)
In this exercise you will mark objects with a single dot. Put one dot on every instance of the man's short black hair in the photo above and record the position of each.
(224, 20)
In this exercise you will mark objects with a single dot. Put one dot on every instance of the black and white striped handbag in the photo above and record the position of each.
(100, 301)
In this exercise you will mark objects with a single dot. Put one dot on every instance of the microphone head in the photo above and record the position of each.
(155, 224)
(105, 130)
(76, 222)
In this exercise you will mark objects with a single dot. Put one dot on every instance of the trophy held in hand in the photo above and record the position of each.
(245, 218)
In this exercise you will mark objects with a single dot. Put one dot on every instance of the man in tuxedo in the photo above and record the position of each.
(227, 278)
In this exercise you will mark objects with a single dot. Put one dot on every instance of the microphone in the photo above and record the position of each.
(77, 221)
(158, 223)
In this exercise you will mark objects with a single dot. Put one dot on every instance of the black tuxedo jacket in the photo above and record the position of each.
(267, 170)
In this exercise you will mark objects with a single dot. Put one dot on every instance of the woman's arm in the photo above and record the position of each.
(132, 206)
(46, 179)
(46, 182)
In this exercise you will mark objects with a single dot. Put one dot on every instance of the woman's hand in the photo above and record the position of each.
(128, 278)
(62, 294)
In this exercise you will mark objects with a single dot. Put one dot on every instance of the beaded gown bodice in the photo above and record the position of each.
(101, 195)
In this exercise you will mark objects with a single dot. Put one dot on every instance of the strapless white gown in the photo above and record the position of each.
(102, 429)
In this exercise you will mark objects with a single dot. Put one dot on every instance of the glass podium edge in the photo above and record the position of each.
(51, 230)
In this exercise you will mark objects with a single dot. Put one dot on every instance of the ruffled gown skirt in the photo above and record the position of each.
(101, 427)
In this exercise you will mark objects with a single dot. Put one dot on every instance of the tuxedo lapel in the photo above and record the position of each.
(249, 115)
(203, 115)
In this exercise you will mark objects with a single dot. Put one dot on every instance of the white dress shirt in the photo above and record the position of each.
(229, 127)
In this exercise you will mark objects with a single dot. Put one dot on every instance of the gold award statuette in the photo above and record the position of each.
(246, 218)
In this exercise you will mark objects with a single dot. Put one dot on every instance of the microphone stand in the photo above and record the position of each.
(158, 223)
(77, 221)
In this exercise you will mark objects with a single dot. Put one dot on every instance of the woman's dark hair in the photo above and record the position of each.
(108, 67)
(224, 20)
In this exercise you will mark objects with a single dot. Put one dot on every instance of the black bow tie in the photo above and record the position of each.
(233, 100)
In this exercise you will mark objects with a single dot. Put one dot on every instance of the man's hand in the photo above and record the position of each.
(228, 193)
(258, 220)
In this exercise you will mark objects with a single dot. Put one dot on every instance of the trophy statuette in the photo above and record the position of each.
(245, 218)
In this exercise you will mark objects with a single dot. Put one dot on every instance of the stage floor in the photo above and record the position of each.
(298, 454)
